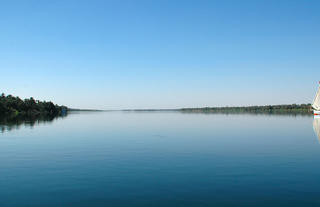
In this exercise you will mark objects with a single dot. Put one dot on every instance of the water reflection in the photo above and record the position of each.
(161, 159)
(316, 126)
(8, 123)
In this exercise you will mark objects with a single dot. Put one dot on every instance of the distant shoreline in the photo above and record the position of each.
(267, 109)
(71, 109)
(14, 106)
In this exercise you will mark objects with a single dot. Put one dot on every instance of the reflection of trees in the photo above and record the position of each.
(8, 123)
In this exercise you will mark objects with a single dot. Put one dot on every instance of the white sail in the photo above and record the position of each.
(316, 101)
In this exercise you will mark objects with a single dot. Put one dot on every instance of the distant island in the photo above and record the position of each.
(14, 106)
(302, 109)
(269, 109)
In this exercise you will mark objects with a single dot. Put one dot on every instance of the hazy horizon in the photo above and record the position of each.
(160, 54)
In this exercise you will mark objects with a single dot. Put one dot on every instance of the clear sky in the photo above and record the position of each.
(160, 54)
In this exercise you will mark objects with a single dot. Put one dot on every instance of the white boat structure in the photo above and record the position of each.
(316, 103)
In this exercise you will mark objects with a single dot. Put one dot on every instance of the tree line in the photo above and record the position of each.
(269, 109)
(11, 105)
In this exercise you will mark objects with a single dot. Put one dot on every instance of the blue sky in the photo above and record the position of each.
(160, 54)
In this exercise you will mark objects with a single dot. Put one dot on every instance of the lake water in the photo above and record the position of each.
(161, 159)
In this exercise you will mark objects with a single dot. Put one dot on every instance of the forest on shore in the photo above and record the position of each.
(14, 106)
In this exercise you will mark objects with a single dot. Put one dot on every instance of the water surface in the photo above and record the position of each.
(161, 159)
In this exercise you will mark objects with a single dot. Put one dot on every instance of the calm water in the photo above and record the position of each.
(161, 159)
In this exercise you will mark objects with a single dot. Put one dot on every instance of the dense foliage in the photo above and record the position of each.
(11, 105)
(271, 109)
